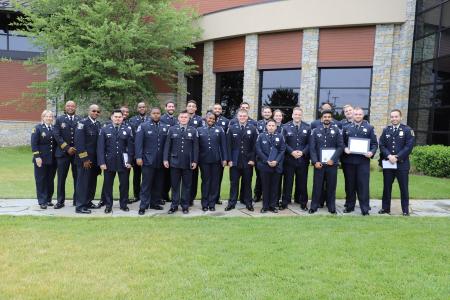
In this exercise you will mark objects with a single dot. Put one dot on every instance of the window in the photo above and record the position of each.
(194, 89)
(280, 89)
(341, 86)
(229, 87)
(10, 41)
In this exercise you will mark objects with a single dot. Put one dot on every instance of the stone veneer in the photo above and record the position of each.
(209, 77)
(15, 133)
(251, 74)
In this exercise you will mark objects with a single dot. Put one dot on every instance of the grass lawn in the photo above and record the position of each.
(224, 258)
(17, 181)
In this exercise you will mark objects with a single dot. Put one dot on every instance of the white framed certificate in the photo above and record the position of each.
(358, 145)
(326, 154)
(386, 164)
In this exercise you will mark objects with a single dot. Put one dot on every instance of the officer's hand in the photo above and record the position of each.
(103, 167)
(230, 163)
(71, 151)
(139, 162)
(193, 166)
(346, 150)
(273, 163)
(330, 162)
(87, 164)
(128, 166)
(300, 153)
(392, 159)
(166, 164)
(318, 165)
(38, 162)
(369, 154)
(224, 163)
(251, 162)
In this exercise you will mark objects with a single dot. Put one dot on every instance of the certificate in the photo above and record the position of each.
(326, 154)
(125, 158)
(358, 145)
(386, 164)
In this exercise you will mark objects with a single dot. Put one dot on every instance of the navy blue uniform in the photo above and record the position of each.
(170, 120)
(297, 138)
(64, 133)
(212, 151)
(113, 142)
(261, 127)
(181, 150)
(195, 121)
(241, 141)
(86, 136)
(250, 121)
(137, 170)
(399, 142)
(222, 122)
(356, 167)
(149, 144)
(43, 145)
(321, 138)
(270, 147)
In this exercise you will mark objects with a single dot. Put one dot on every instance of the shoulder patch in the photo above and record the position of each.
(33, 130)
(80, 125)
(412, 132)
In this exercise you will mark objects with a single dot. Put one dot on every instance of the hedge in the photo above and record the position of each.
(433, 160)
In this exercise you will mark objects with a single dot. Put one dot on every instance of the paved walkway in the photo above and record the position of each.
(29, 207)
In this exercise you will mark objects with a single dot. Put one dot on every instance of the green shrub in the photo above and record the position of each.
(433, 160)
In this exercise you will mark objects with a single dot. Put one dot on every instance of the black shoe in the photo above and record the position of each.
(166, 198)
(257, 199)
(125, 208)
(83, 211)
(263, 210)
(204, 208)
(229, 207)
(365, 213)
(156, 207)
(304, 207)
(141, 211)
(333, 212)
(311, 211)
(274, 210)
(185, 211)
(405, 214)
(348, 210)
(283, 206)
(108, 210)
(162, 202)
(384, 211)
(219, 202)
(43, 206)
(172, 211)
(241, 201)
(59, 205)
(100, 204)
(49, 203)
(212, 209)
(250, 207)
(92, 206)
(322, 205)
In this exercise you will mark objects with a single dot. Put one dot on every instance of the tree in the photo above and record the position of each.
(105, 51)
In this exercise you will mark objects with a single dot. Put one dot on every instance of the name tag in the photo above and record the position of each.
(305, 131)
(400, 133)
(217, 130)
(195, 121)
(332, 131)
(277, 139)
(164, 129)
(365, 130)
(249, 132)
(264, 142)
(189, 134)
(234, 134)
(124, 132)
(108, 135)
(149, 132)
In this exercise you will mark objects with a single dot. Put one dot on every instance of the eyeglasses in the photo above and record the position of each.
(96, 111)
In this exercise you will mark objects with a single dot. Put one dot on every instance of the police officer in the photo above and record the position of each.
(43, 145)
(270, 149)
(212, 157)
(396, 143)
(170, 119)
(278, 117)
(222, 122)
(115, 150)
(181, 156)
(135, 121)
(86, 136)
(149, 144)
(356, 166)
(245, 106)
(194, 121)
(241, 141)
(266, 114)
(296, 134)
(325, 137)
(348, 113)
(325, 107)
(64, 133)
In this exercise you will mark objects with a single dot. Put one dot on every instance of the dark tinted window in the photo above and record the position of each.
(194, 89)
(229, 86)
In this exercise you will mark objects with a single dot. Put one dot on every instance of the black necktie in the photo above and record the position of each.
(395, 130)
(242, 128)
(182, 129)
(117, 128)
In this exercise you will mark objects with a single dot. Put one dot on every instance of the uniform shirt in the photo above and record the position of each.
(318, 122)
(321, 138)
(261, 126)
(241, 144)
(398, 142)
(212, 144)
(149, 143)
(43, 144)
(222, 122)
(344, 123)
(195, 121)
(64, 133)
(270, 147)
(181, 148)
(364, 130)
(297, 138)
(113, 142)
(250, 121)
(136, 121)
(170, 120)
(86, 136)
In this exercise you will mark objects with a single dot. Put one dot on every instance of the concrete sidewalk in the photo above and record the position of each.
(29, 207)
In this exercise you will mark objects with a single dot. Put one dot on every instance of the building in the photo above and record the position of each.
(379, 55)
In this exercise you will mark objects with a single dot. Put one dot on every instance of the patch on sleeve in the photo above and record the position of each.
(80, 125)
(412, 132)
(33, 130)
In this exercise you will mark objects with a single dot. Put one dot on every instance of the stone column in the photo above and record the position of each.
(181, 90)
(209, 77)
(251, 74)
(309, 80)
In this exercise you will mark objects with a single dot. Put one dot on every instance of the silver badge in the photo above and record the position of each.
(195, 121)
(149, 132)
(164, 129)
(365, 130)
(332, 131)
(400, 133)
(249, 132)
(63, 125)
(124, 132)
(264, 142)
(305, 131)
(277, 139)
(189, 134)
(43, 134)
(80, 126)
(223, 123)
(217, 130)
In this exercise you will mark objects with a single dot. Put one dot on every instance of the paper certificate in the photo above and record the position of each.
(388, 165)
(125, 158)
(358, 145)
(326, 154)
